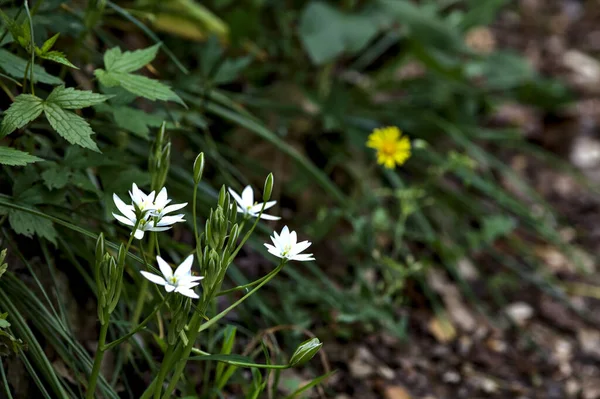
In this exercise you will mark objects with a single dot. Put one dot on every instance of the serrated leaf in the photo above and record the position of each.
(15, 66)
(56, 177)
(3, 267)
(23, 110)
(128, 61)
(145, 87)
(58, 57)
(12, 157)
(69, 98)
(48, 44)
(135, 121)
(26, 224)
(70, 126)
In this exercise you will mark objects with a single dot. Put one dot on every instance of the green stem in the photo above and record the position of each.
(162, 373)
(32, 47)
(202, 354)
(195, 329)
(97, 362)
(136, 329)
(241, 287)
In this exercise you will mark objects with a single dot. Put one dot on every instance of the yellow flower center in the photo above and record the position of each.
(173, 280)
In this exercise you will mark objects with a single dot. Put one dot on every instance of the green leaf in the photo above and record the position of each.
(23, 110)
(129, 61)
(327, 32)
(4, 323)
(58, 57)
(132, 120)
(70, 126)
(3, 267)
(69, 98)
(425, 26)
(56, 177)
(26, 224)
(12, 157)
(139, 85)
(48, 44)
(15, 66)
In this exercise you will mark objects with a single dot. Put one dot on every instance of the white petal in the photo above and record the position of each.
(285, 235)
(169, 220)
(136, 194)
(247, 197)
(256, 208)
(274, 251)
(173, 208)
(301, 246)
(139, 234)
(303, 257)
(270, 247)
(124, 220)
(189, 293)
(293, 238)
(125, 209)
(269, 217)
(185, 267)
(169, 288)
(162, 198)
(158, 228)
(154, 278)
(236, 197)
(187, 284)
(164, 267)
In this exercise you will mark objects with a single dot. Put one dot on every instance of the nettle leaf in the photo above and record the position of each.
(56, 176)
(129, 61)
(15, 66)
(12, 157)
(69, 98)
(118, 67)
(23, 110)
(134, 120)
(70, 126)
(48, 44)
(26, 224)
(58, 57)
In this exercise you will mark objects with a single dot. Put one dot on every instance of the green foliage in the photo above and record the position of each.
(69, 125)
(12, 157)
(118, 66)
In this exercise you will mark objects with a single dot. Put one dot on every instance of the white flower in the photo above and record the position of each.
(160, 207)
(150, 211)
(181, 281)
(142, 202)
(285, 246)
(246, 204)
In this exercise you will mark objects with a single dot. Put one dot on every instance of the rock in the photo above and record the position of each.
(584, 68)
(519, 312)
(396, 392)
(361, 366)
(589, 340)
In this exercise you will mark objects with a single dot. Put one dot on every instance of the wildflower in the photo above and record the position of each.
(148, 212)
(392, 148)
(161, 207)
(142, 202)
(181, 281)
(285, 246)
(247, 206)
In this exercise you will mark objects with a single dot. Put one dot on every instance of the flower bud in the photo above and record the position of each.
(222, 193)
(268, 188)
(198, 168)
(99, 248)
(306, 351)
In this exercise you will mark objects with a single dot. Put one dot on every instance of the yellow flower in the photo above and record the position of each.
(392, 147)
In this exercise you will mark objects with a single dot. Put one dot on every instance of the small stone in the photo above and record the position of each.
(451, 377)
(519, 312)
(396, 392)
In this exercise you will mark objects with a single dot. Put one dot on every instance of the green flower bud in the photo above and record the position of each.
(99, 248)
(198, 168)
(222, 193)
(306, 351)
(268, 188)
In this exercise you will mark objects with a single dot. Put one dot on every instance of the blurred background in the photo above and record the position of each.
(470, 271)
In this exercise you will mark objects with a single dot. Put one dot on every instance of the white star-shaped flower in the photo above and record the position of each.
(181, 281)
(285, 246)
(247, 206)
(149, 209)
